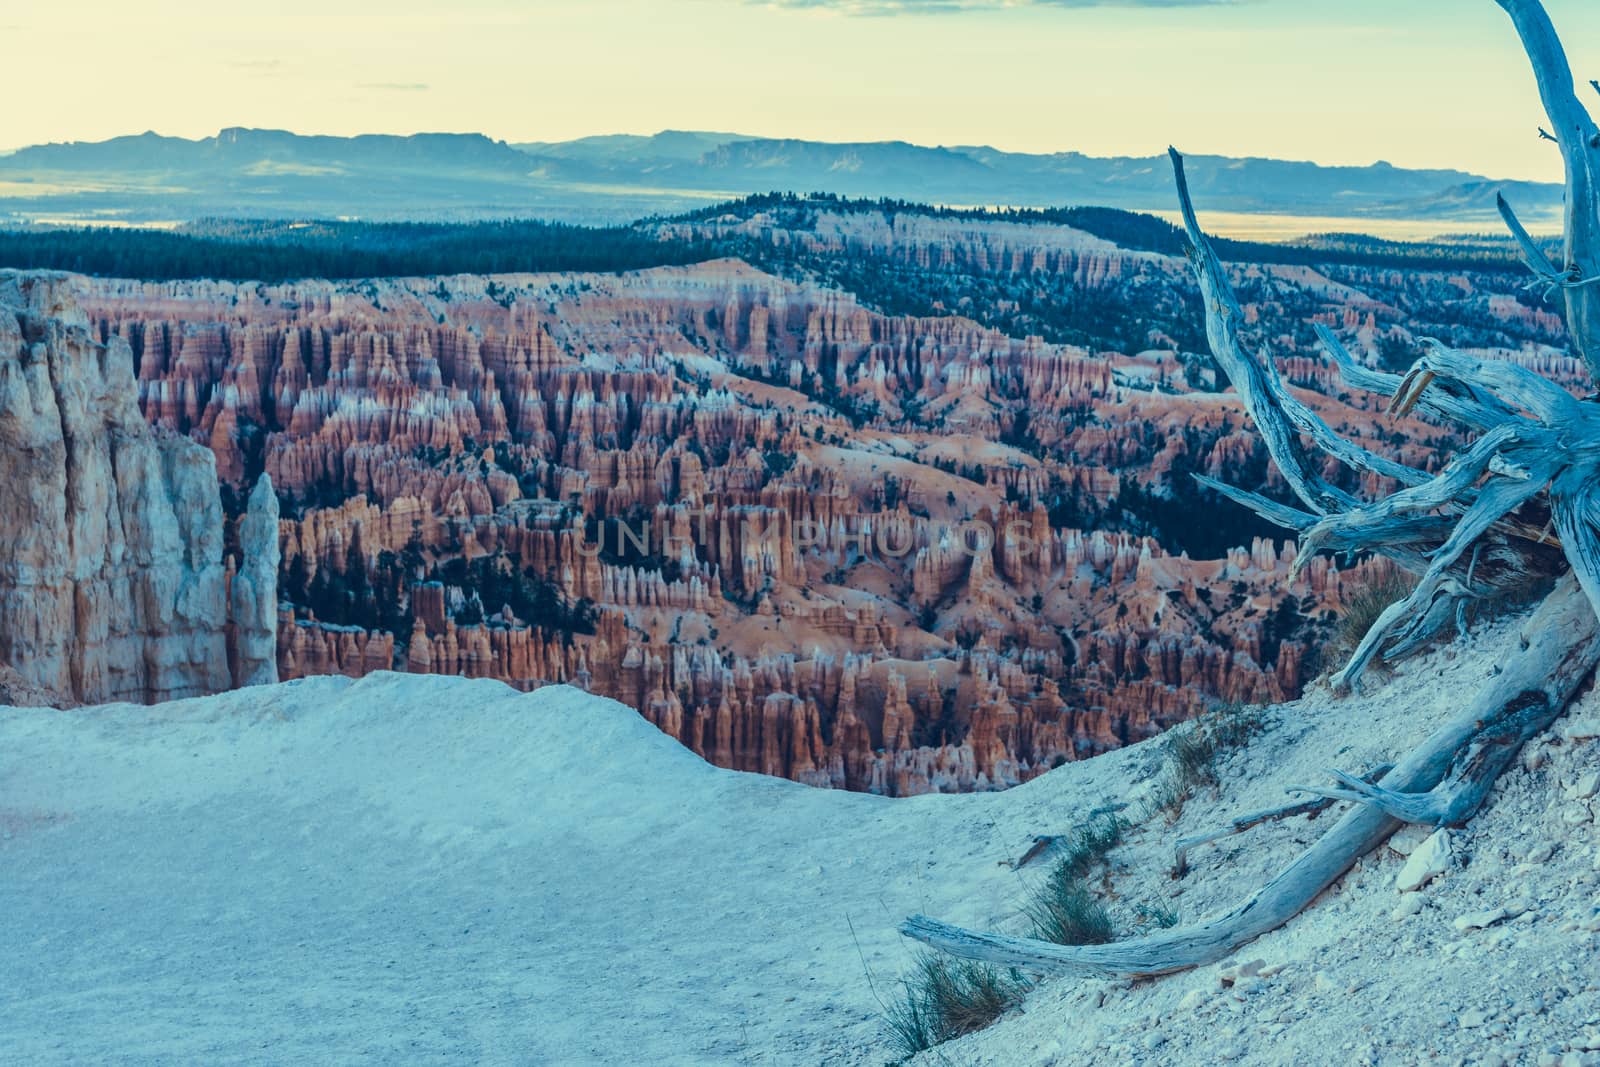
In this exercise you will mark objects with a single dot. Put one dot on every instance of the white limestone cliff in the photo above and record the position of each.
(112, 582)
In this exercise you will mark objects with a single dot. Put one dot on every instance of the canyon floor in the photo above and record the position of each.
(429, 869)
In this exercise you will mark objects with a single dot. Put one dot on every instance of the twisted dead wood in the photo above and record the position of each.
(1561, 647)
(1539, 449)
(1240, 823)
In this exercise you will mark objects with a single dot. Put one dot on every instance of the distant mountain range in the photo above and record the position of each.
(276, 174)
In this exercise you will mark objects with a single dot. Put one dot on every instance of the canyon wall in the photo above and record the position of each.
(801, 534)
(113, 582)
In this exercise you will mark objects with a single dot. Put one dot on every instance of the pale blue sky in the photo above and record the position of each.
(1416, 82)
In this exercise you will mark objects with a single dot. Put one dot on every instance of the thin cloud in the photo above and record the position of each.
(257, 66)
(946, 7)
(395, 87)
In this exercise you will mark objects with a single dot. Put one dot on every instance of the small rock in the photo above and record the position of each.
(1247, 987)
(1581, 729)
(1410, 904)
(1229, 975)
(1587, 786)
(1479, 920)
(1193, 999)
(1471, 1020)
(1538, 852)
(1432, 858)
(1406, 839)
(1533, 757)
(1576, 815)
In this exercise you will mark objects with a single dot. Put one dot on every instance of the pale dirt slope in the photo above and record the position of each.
(1357, 980)
(423, 869)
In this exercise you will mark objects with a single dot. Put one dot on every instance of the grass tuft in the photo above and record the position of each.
(1167, 795)
(944, 998)
(1061, 908)
(1088, 844)
(1157, 915)
(1192, 751)
(1364, 602)
(1064, 911)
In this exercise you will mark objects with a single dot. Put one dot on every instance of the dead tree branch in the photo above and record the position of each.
(1539, 448)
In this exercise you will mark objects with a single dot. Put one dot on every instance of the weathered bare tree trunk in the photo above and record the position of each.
(1562, 643)
(1578, 138)
(1240, 823)
(1477, 529)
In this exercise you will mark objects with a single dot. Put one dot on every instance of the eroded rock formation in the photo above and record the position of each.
(887, 552)
(112, 579)
(253, 592)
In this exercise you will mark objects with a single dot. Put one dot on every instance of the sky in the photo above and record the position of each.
(1424, 83)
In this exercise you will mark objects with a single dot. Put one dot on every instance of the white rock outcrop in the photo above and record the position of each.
(1427, 861)
(112, 583)
(252, 595)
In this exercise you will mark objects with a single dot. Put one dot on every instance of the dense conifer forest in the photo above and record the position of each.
(276, 251)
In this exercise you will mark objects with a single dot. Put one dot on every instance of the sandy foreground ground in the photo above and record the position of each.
(424, 869)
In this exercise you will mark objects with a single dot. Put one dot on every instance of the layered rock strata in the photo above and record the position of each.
(113, 584)
(805, 538)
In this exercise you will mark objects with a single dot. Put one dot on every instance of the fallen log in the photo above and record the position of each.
(1560, 649)
(1239, 824)
(1539, 452)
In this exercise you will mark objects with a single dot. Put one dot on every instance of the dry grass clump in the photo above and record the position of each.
(1088, 844)
(945, 998)
(1064, 911)
(1161, 916)
(1364, 601)
(1062, 908)
(1192, 751)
